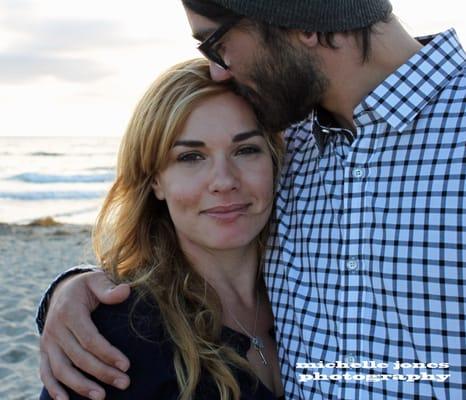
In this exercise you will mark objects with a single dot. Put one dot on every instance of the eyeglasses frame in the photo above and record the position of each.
(206, 47)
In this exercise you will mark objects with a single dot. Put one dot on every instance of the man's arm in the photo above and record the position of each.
(45, 300)
(70, 338)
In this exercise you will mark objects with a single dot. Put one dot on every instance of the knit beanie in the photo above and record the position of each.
(312, 15)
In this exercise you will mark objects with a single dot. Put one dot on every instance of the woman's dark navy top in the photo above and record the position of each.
(135, 327)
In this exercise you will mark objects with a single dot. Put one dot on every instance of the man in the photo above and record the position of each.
(366, 263)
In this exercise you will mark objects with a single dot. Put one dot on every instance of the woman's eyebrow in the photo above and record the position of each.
(239, 137)
(189, 143)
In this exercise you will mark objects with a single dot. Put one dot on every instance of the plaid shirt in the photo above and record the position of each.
(367, 259)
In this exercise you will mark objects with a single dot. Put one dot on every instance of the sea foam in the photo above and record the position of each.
(52, 195)
(33, 177)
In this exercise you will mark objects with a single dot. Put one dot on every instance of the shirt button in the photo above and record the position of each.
(358, 173)
(350, 358)
(352, 264)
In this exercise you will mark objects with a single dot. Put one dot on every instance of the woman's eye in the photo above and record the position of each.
(248, 150)
(189, 157)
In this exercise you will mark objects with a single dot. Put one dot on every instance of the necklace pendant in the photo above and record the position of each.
(258, 346)
(257, 342)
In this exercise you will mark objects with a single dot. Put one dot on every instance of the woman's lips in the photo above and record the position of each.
(227, 212)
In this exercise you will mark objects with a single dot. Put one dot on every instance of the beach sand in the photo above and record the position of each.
(30, 257)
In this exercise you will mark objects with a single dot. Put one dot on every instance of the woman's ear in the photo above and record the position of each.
(158, 190)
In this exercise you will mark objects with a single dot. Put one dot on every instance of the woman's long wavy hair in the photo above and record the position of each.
(135, 240)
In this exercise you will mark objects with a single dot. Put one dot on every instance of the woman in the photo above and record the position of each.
(185, 224)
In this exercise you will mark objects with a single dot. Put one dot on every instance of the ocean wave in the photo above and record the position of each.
(33, 177)
(102, 169)
(57, 195)
(45, 153)
(70, 154)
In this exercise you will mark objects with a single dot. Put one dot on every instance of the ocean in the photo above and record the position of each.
(65, 178)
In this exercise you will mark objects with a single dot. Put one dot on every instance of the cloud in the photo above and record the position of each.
(68, 35)
(21, 68)
(64, 48)
(45, 39)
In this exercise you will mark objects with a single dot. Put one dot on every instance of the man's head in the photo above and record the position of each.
(255, 44)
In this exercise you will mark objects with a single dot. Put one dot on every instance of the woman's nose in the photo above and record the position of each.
(217, 73)
(224, 177)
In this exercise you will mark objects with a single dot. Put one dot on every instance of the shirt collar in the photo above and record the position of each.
(405, 92)
(325, 125)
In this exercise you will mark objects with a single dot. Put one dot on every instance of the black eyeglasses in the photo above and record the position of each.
(208, 48)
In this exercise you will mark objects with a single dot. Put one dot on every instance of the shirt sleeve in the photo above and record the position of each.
(41, 314)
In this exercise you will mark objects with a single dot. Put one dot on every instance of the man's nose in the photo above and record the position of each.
(217, 73)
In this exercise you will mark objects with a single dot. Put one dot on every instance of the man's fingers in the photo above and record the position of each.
(70, 331)
(93, 342)
(64, 372)
(50, 383)
(89, 363)
(105, 291)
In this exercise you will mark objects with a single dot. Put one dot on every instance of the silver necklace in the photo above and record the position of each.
(256, 341)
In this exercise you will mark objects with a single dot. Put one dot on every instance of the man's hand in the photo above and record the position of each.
(70, 338)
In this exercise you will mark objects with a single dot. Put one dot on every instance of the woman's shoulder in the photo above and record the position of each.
(136, 328)
(137, 318)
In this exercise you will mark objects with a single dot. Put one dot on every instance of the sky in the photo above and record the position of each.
(77, 68)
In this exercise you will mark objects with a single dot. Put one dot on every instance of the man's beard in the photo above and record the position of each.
(288, 85)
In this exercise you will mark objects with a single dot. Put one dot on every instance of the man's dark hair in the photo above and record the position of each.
(269, 33)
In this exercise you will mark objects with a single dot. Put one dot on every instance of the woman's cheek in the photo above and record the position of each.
(186, 192)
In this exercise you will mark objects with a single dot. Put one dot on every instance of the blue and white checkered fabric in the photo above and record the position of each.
(368, 257)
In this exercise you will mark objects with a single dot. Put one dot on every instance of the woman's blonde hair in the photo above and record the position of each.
(135, 240)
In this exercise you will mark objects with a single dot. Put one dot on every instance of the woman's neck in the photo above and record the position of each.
(232, 273)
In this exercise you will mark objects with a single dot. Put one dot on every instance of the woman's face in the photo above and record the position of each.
(218, 183)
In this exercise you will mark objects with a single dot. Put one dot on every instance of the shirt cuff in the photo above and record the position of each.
(44, 301)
